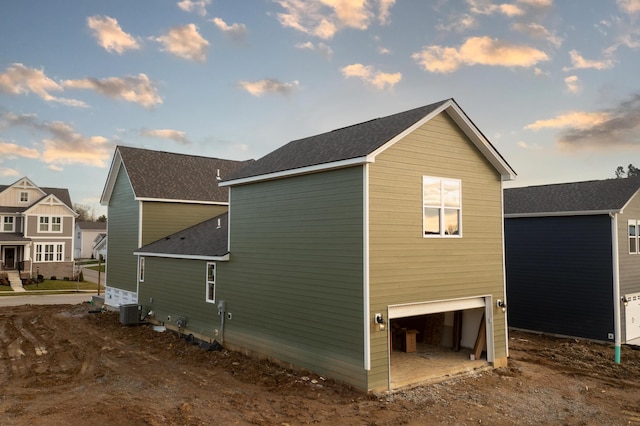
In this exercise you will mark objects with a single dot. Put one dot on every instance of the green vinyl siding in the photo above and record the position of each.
(123, 235)
(294, 282)
(177, 288)
(405, 267)
(164, 218)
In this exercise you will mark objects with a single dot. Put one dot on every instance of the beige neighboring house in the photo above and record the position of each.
(85, 236)
(36, 230)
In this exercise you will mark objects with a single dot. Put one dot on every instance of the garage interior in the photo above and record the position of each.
(435, 347)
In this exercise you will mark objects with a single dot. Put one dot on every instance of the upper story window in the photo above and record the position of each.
(442, 207)
(211, 282)
(24, 197)
(8, 224)
(50, 224)
(633, 236)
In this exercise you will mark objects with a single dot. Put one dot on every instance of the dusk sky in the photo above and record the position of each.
(554, 85)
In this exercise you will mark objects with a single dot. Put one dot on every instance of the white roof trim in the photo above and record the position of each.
(555, 214)
(116, 162)
(51, 200)
(299, 171)
(182, 256)
(169, 200)
(454, 111)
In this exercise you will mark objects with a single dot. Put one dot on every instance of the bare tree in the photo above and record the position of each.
(85, 213)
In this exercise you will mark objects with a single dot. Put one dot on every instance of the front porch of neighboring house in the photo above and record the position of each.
(14, 256)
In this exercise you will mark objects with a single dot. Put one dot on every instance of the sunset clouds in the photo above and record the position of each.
(478, 51)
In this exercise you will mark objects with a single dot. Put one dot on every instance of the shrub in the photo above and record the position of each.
(53, 278)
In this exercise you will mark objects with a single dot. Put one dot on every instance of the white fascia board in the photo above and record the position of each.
(555, 214)
(167, 200)
(469, 129)
(116, 162)
(635, 194)
(55, 200)
(182, 256)
(299, 171)
(472, 132)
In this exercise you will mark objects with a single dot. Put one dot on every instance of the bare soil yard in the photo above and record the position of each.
(61, 365)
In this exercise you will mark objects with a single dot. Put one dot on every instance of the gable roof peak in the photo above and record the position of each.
(358, 144)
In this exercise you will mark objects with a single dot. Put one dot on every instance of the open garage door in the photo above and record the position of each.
(432, 340)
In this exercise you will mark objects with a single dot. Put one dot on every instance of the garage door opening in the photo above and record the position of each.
(431, 342)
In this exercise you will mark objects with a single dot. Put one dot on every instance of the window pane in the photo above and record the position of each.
(451, 193)
(211, 272)
(211, 294)
(451, 222)
(431, 191)
(632, 245)
(56, 224)
(431, 221)
(632, 230)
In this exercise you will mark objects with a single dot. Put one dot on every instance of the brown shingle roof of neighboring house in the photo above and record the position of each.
(169, 176)
(595, 197)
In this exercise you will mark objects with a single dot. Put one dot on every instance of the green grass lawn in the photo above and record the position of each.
(95, 267)
(51, 285)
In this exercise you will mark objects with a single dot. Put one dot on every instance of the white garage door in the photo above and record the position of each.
(424, 308)
(632, 316)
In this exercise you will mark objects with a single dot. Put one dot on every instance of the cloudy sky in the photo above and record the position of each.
(553, 84)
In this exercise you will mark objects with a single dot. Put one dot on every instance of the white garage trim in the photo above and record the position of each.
(424, 308)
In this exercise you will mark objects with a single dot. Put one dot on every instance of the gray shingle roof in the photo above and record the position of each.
(170, 176)
(6, 237)
(342, 144)
(203, 239)
(589, 196)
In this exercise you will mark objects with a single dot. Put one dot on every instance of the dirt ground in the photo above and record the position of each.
(61, 365)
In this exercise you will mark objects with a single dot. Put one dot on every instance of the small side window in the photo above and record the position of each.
(633, 236)
(211, 282)
(141, 269)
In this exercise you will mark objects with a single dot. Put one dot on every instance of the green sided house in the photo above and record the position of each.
(150, 194)
(339, 248)
(342, 243)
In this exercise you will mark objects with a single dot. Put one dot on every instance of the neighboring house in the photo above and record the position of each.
(36, 229)
(149, 195)
(85, 234)
(335, 239)
(100, 246)
(573, 259)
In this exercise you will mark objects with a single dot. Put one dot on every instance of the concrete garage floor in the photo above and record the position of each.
(431, 364)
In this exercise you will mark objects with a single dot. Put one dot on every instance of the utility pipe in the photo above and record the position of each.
(616, 286)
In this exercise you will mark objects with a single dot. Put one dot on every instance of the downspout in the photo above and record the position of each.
(616, 286)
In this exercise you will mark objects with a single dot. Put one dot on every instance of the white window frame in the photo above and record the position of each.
(24, 199)
(49, 252)
(211, 282)
(633, 238)
(4, 223)
(442, 206)
(141, 269)
(50, 223)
